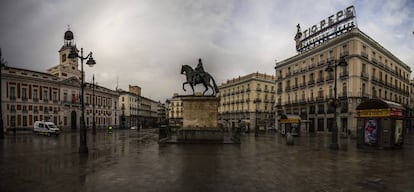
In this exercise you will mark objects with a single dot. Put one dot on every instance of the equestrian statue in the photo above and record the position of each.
(198, 76)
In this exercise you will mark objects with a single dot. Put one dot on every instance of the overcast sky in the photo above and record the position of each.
(145, 42)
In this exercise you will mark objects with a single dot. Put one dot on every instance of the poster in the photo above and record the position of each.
(398, 132)
(371, 128)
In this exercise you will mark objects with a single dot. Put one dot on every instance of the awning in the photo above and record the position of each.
(379, 108)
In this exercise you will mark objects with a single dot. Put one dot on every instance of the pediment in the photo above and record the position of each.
(71, 81)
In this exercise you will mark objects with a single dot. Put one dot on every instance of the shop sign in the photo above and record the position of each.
(396, 113)
(289, 120)
(374, 113)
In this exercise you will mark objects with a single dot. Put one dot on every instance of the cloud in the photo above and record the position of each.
(145, 42)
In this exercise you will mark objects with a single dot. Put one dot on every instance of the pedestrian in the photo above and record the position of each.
(110, 129)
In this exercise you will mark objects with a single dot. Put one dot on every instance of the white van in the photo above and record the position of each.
(46, 128)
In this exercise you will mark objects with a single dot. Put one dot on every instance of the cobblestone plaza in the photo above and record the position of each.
(129, 160)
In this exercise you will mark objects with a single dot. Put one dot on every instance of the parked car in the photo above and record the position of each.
(46, 128)
(134, 127)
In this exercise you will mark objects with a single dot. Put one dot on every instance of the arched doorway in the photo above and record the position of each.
(73, 120)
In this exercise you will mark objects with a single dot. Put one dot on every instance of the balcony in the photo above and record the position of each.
(344, 75)
(287, 89)
(374, 79)
(45, 100)
(303, 85)
(374, 60)
(330, 78)
(321, 62)
(258, 89)
(311, 100)
(279, 90)
(364, 54)
(320, 98)
(24, 99)
(295, 87)
(364, 75)
(55, 101)
(312, 65)
(25, 111)
(302, 101)
(35, 111)
(36, 100)
(321, 80)
(344, 53)
(288, 74)
(311, 82)
(342, 95)
(46, 111)
(12, 98)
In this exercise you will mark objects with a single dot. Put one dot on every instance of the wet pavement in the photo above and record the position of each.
(128, 160)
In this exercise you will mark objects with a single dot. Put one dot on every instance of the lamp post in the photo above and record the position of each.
(256, 128)
(332, 65)
(83, 148)
(2, 64)
(93, 106)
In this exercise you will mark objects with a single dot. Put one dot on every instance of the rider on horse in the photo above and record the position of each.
(199, 71)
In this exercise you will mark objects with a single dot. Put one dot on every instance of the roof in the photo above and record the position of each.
(379, 104)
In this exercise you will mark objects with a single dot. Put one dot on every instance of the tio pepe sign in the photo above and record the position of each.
(335, 25)
(340, 16)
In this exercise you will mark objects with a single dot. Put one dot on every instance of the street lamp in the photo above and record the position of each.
(83, 148)
(256, 128)
(332, 65)
(93, 105)
(2, 64)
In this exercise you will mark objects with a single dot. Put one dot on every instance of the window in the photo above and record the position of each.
(54, 96)
(24, 93)
(363, 89)
(24, 120)
(35, 94)
(45, 95)
(12, 93)
(65, 97)
(63, 58)
(364, 68)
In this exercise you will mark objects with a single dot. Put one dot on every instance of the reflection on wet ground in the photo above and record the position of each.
(128, 160)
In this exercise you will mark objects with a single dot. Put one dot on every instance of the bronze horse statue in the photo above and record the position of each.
(203, 78)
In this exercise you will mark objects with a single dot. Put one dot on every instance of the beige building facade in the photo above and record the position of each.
(304, 85)
(137, 110)
(175, 111)
(248, 101)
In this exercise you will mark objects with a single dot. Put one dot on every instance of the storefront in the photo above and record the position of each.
(290, 123)
(380, 124)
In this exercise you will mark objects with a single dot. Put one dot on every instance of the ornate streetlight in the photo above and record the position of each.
(83, 148)
(2, 64)
(257, 104)
(332, 65)
(93, 106)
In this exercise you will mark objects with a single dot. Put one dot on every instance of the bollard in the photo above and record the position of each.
(289, 139)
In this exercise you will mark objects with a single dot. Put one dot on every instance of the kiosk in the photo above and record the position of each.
(380, 124)
(290, 123)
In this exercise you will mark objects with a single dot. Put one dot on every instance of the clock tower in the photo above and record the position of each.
(67, 67)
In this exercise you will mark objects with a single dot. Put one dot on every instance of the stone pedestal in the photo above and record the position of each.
(200, 120)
